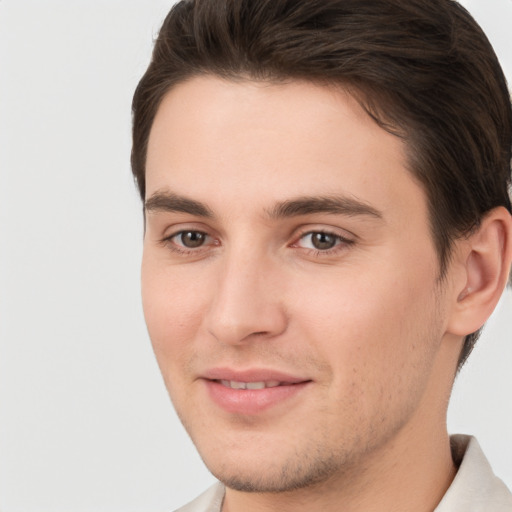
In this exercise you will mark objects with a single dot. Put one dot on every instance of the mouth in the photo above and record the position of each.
(252, 392)
(233, 384)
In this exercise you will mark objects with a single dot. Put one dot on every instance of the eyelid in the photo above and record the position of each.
(343, 234)
(169, 230)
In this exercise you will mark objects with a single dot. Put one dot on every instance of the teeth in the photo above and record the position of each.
(233, 384)
(237, 385)
(255, 385)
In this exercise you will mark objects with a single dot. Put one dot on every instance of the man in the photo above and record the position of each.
(328, 226)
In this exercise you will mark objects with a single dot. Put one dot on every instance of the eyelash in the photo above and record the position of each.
(341, 242)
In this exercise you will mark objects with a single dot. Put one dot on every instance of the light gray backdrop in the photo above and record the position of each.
(85, 422)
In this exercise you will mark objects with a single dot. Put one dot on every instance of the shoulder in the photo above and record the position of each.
(208, 501)
(475, 488)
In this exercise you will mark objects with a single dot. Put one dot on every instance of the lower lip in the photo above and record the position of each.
(251, 401)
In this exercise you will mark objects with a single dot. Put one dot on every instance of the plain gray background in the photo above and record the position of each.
(85, 422)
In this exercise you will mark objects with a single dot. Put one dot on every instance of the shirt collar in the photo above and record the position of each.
(475, 488)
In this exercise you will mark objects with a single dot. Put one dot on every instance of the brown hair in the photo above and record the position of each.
(422, 69)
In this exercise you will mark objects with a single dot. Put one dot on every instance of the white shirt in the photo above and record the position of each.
(475, 487)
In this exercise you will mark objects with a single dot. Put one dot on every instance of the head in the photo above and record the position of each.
(312, 171)
(423, 71)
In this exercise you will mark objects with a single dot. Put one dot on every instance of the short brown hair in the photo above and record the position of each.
(422, 69)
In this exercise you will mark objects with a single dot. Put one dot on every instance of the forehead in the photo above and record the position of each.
(250, 143)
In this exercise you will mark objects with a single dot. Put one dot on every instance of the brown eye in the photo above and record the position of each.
(191, 239)
(323, 241)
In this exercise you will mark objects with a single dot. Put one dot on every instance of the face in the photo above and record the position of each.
(290, 282)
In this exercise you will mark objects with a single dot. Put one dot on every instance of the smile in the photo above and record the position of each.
(233, 384)
(252, 392)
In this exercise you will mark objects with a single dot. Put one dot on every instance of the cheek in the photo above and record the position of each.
(373, 329)
(173, 308)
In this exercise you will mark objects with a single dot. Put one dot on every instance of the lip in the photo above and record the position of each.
(251, 401)
(252, 375)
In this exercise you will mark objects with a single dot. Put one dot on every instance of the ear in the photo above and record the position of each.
(485, 257)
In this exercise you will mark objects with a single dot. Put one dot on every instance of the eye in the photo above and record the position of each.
(321, 241)
(190, 239)
(189, 242)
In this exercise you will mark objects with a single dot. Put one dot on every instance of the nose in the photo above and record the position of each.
(247, 303)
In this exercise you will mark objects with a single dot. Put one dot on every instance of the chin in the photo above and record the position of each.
(272, 476)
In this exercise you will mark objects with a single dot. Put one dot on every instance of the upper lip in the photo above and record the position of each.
(252, 375)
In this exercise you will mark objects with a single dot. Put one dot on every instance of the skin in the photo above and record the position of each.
(367, 322)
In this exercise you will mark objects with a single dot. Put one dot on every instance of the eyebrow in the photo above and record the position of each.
(164, 201)
(336, 205)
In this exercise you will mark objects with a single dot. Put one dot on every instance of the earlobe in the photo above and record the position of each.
(487, 256)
